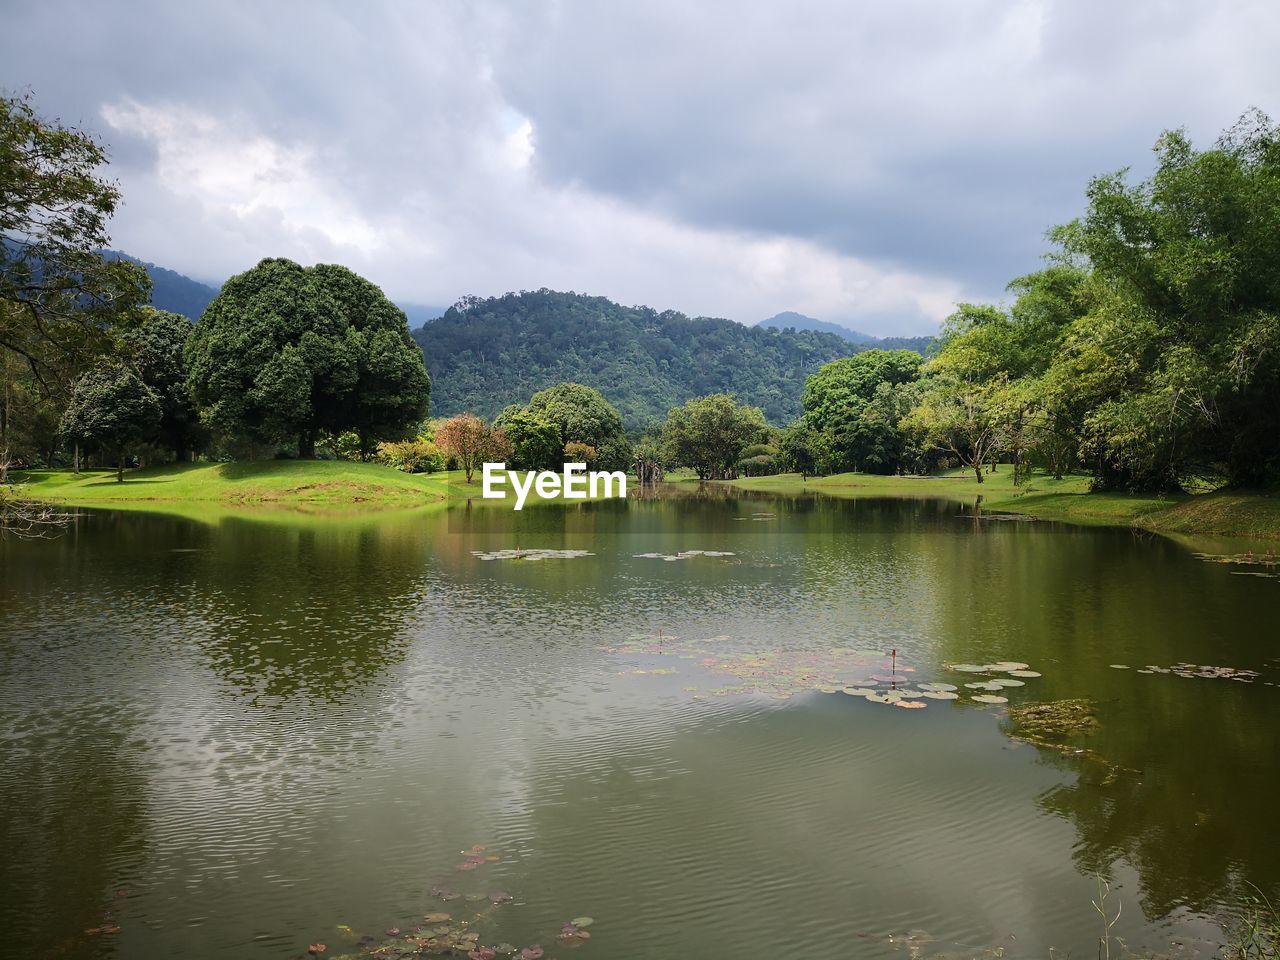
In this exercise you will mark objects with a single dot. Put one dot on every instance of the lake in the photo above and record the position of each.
(240, 738)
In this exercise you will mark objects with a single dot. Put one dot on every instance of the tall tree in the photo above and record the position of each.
(285, 353)
(710, 433)
(838, 394)
(1179, 346)
(155, 346)
(112, 409)
(582, 414)
(59, 298)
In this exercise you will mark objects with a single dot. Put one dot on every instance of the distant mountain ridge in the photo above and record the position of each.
(789, 319)
(484, 354)
(171, 290)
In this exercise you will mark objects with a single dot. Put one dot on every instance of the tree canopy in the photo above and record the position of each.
(710, 433)
(286, 352)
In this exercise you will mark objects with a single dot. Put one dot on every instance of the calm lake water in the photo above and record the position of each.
(235, 739)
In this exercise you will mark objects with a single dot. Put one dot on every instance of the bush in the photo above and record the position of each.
(411, 456)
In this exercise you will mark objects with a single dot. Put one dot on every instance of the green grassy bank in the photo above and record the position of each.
(317, 482)
(315, 486)
(1228, 514)
(320, 486)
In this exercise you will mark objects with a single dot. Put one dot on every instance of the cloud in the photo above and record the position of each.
(865, 165)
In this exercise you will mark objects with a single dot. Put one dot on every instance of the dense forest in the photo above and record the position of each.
(486, 354)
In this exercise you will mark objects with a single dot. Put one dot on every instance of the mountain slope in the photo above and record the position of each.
(798, 321)
(171, 290)
(485, 354)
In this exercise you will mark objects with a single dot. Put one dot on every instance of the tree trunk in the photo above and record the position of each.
(120, 468)
(977, 469)
(75, 458)
(307, 445)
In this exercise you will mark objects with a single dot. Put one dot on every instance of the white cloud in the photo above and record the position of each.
(861, 163)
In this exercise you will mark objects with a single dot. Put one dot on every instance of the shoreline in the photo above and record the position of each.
(336, 487)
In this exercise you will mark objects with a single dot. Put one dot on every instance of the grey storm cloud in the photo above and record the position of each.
(864, 163)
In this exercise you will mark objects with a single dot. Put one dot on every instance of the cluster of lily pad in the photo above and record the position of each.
(683, 555)
(534, 554)
(440, 933)
(1266, 564)
(1196, 670)
(873, 675)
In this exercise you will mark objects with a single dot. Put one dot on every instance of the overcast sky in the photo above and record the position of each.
(864, 163)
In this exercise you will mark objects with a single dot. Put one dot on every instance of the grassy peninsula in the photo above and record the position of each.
(1255, 515)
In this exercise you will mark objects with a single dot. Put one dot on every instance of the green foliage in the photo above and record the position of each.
(710, 433)
(582, 414)
(155, 345)
(112, 409)
(1177, 351)
(411, 456)
(286, 353)
(59, 298)
(802, 449)
(536, 442)
(859, 422)
(486, 354)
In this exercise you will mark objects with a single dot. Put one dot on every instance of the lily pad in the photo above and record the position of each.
(967, 668)
(941, 695)
(437, 917)
(988, 698)
(1024, 673)
(531, 953)
(911, 704)
(1007, 682)
(1006, 665)
(984, 685)
(937, 687)
(582, 922)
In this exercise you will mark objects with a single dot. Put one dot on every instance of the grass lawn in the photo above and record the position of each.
(317, 482)
(1233, 514)
(318, 487)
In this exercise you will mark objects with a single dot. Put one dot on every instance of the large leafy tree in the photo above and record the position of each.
(582, 414)
(836, 397)
(710, 433)
(1180, 342)
(155, 345)
(59, 298)
(535, 441)
(287, 353)
(113, 410)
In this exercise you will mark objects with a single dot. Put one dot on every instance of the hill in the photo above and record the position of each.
(486, 353)
(790, 320)
(171, 290)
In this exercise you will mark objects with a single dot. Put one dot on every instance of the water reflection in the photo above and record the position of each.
(264, 729)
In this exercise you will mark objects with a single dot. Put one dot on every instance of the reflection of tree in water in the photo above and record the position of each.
(1196, 823)
(313, 612)
(72, 800)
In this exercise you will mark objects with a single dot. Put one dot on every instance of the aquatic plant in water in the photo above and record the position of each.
(534, 554)
(440, 933)
(873, 675)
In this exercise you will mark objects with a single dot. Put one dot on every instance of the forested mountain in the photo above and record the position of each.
(790, 320)
(171, 290)
(484, 354)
